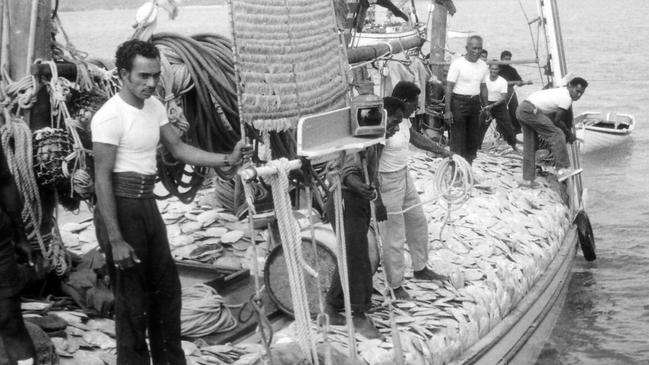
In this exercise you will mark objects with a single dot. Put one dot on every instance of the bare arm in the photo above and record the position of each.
(123, 254)
(448, 115)
(484, 94)
(420, 141)
(191, 155)
(519, 83)
(558, 119)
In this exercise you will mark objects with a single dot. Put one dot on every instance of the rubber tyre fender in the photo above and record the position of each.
(586, 236)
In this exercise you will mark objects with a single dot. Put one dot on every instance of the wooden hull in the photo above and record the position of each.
(597, 131)
(519, 338)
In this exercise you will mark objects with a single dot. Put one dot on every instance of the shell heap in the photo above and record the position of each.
(495, 247)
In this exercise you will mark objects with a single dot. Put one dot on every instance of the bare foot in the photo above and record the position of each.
(366, 327)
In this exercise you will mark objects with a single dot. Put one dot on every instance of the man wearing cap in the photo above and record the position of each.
(398, 192)
(125, 134)
(466, 93)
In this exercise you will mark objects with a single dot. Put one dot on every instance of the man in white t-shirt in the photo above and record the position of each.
(497, 108)
(125, 134)
(466, 93)
(398, 192)
(534, 115)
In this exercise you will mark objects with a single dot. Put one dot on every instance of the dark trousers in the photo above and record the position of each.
(504, 124)
(147, 296)
(15, 341)
(465, 130)
(356, 212)
(511, 108)
(534, 122)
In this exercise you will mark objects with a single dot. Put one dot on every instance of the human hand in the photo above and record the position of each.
(241, 152)
(570, 137)
(448, 118)
(364, 190)
(124, 256)
(380, 211)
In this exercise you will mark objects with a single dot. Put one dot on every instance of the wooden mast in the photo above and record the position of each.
(437, 37)
(17, 22)
(16, 35)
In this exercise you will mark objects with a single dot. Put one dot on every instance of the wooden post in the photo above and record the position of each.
(438, 39)
(17, 21)
(19, 13)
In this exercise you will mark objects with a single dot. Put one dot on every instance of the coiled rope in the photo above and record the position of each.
(204, 312)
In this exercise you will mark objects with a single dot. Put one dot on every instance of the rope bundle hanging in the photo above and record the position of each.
(292, 248)
(17, 145)
(204, 312)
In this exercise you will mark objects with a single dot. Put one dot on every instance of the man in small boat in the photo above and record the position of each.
(398, 192)
(17, 344)
(130, 231)
(512, 77)
(496, 108)
(466, 93)
(544, 113)
(356, 197)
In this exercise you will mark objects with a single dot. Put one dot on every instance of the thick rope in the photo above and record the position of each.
(16, 139)
(204, 312)
(341, 255)
(322, 320)
(292, 246)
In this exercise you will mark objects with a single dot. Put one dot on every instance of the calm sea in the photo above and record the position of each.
(606, 317)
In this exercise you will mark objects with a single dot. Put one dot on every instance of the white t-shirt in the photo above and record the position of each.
(467, 76)
(395, 154)
(496, 88)
(549, 101)
(135, 132)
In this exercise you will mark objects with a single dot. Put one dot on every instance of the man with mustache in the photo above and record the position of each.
(131, 232)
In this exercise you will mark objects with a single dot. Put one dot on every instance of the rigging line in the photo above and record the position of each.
(535, 43)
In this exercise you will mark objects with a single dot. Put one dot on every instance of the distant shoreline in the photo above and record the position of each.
(84, 5)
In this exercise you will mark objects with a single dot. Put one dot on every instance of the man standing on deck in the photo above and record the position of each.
(543, 112)
(125, 134)
(16, 341)
(466, 93)
(398, 193)
(357, 197)
(512, 77)
(496, 108)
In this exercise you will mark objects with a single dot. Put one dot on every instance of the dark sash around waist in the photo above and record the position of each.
(133, 185)
(466, 97)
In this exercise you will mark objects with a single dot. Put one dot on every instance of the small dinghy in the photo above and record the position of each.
(598, 131)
